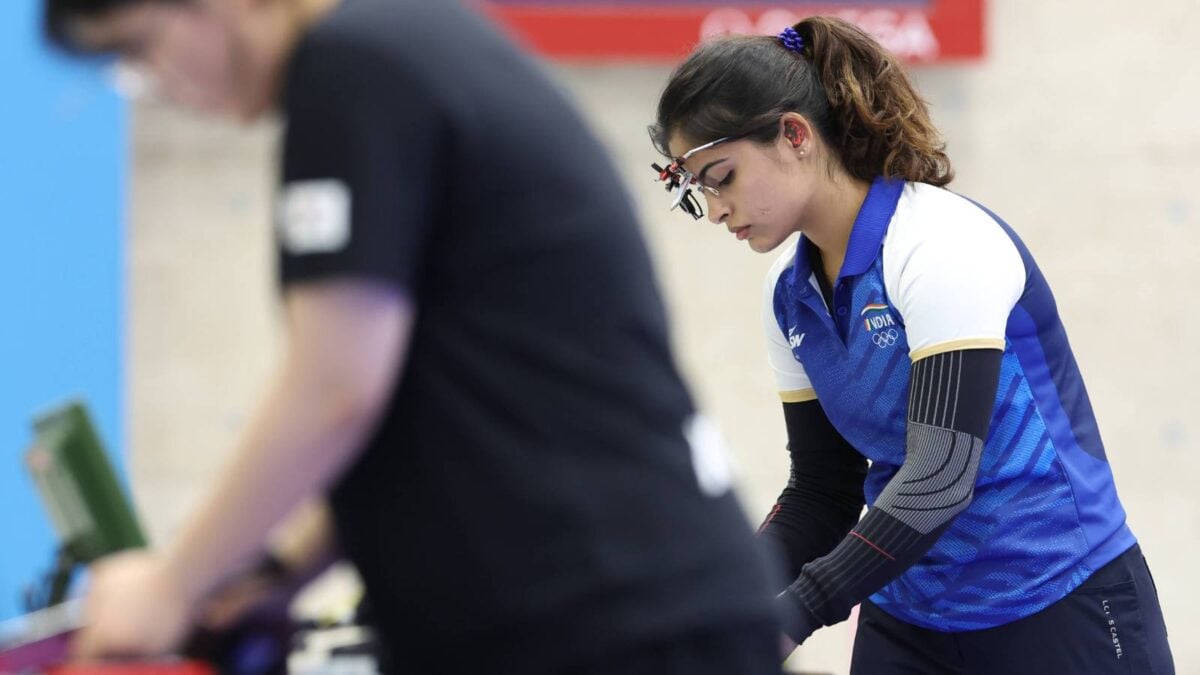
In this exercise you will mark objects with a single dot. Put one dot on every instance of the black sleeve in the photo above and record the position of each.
(362, 174)
(824, 494)
(951, 396)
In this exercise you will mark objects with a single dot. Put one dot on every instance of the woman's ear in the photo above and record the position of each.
(796, 131)
(793, 132)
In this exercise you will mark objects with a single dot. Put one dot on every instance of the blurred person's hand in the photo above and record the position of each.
(134, 607)
(266, 591)
(244, 626)
(303, 547)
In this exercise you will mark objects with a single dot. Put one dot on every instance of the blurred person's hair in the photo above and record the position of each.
(58, 14)
(853, 91)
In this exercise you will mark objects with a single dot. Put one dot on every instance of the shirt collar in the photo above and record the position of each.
(866, 236)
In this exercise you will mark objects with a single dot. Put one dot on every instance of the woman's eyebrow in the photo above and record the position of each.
(700, 176)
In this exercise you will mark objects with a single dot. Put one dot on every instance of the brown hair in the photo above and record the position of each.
(853, 91)
(57, 15)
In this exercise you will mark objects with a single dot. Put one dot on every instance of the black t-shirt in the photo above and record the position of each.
(530, 494)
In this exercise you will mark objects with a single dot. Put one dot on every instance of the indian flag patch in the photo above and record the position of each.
(877, 319)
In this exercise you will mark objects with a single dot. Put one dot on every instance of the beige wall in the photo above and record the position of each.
(1079, 129)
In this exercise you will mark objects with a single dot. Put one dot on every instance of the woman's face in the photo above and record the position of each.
(762, 189)
(194, 53)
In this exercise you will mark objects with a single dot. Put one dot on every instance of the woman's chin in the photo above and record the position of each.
(761, 244)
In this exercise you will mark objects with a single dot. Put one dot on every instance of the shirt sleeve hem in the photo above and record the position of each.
(798, 395)
(956, 345)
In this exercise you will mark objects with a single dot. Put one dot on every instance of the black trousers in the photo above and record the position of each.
(1111, 624)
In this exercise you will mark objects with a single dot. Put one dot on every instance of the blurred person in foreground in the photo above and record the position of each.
(911, 327)
(478, 372)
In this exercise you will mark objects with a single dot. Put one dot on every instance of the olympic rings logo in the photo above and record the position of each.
(885, 338)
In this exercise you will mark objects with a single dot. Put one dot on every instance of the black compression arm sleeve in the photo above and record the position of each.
(951, 396)
(824, 494)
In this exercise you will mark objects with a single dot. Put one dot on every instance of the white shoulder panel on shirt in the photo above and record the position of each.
(951, 272)
(793, 383)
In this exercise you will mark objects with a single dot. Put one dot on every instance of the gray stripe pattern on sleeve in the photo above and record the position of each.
(937, 479)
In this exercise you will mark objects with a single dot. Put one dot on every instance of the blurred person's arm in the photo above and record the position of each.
(306, 544)
(301, 549)
(347, 345)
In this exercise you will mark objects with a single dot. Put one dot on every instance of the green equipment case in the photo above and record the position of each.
(80, 490)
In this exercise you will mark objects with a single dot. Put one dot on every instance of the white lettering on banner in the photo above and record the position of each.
(726, 21)
(772, 21)
(906, 33)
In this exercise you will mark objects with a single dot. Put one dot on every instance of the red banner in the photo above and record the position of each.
(935, 31)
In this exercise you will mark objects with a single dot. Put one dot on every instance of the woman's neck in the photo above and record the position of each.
(829, 227)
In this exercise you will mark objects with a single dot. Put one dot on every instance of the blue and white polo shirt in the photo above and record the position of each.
(928, 271)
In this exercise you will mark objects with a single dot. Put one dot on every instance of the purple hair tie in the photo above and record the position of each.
(792, 40)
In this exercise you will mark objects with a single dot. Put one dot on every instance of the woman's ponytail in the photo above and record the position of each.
(883, 122)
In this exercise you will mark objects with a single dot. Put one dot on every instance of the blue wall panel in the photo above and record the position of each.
(62, 183)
